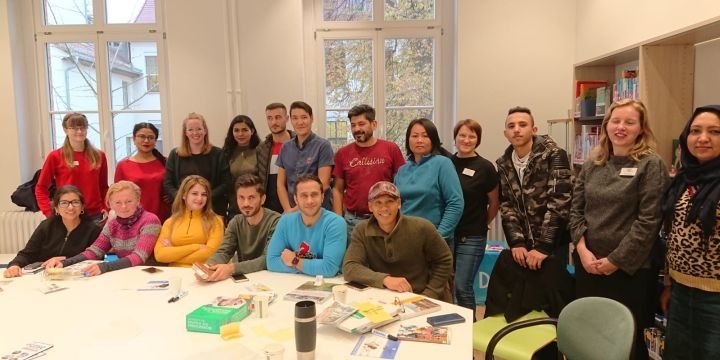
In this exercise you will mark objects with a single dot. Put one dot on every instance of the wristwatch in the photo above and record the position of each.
(296, 260)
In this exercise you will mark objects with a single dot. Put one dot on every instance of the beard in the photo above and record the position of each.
(362, 136)
(250, 212)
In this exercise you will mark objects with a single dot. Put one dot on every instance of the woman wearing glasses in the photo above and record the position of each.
(131, 234)
(197, 156)
(77, 163)
(146, 168)
(64, 234)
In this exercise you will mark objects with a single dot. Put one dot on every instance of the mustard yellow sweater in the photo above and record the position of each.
(187, 240)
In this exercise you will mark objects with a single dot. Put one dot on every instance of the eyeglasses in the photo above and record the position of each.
(77, 128)
(195, 130)
(65, 203)
(145, 137)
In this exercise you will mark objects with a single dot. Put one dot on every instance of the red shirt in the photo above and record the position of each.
(149, 177)
(362, 167)
(93, 183)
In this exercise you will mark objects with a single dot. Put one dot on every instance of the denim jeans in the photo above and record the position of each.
(352, 221)
(693, 326)
(468, 252)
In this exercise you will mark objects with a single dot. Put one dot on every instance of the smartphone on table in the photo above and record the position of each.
(447, 319)
(239, 277)
(356, 285)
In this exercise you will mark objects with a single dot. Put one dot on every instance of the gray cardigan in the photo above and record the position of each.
(619, 215)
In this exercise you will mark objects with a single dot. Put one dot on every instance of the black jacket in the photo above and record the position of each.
(51, 239)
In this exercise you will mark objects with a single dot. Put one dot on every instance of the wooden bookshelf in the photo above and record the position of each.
(666, 67)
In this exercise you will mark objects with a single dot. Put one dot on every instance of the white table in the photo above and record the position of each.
(106, 317)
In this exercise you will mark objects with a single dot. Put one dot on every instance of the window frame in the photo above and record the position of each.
(377, 31)
(100, 35)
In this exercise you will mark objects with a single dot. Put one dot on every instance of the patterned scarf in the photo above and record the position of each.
(127, 222)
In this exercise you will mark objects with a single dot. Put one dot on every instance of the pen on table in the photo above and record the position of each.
(177, 297)
(384, 335)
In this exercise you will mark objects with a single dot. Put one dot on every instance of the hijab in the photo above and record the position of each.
(704, 177)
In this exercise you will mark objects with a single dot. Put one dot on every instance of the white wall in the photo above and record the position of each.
(271, 56)
(17, 99)
(513, 53)
(604, 26)
(707, 73)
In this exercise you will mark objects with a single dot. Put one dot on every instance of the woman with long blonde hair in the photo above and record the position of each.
(615, 216)
(197, 156)
(76, 163)
(193, 232)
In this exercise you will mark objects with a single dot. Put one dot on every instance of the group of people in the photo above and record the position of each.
(416, 222)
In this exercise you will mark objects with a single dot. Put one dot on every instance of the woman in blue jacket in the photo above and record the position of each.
(428, 183)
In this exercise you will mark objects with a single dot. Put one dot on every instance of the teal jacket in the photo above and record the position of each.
(431, 190)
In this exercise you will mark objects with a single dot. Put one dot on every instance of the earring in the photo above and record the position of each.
(82, 212)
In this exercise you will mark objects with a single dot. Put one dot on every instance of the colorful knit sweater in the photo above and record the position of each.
(133, 244)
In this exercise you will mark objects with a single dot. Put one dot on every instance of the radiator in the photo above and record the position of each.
(16, 228)
(496, 231)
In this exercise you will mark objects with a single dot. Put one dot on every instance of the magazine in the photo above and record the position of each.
(309, 291)
(417, 306)
(431, 334)
(371, 346)
(335, 313)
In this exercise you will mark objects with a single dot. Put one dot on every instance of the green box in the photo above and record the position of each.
(209, 319)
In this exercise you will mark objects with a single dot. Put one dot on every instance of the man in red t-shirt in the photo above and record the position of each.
(360, 165)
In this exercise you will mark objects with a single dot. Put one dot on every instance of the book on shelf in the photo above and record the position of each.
(586, 96)
(426, 333)
(602, 102)
(627, 86)
(588, 138)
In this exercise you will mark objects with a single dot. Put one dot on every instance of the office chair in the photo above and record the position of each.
(587, 328)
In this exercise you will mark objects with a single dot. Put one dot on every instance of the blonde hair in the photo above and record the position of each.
(92, 154)
(207, 215)
(184, 148)
(644, 144)
(120, 186)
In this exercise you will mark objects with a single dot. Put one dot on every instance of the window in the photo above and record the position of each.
(384, 53)
(101, 58)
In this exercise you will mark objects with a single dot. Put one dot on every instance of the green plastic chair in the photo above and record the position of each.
(521, 344)
(588, 328)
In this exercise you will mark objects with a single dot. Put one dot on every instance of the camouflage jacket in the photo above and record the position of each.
(535, 213)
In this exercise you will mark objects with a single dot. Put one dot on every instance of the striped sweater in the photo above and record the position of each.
(133, 244)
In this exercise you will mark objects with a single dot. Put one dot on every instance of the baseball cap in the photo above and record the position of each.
(383, 188)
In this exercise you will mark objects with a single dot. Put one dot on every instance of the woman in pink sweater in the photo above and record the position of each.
(131, 234)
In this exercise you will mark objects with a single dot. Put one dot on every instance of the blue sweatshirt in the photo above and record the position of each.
(327, 239)
(431, 190)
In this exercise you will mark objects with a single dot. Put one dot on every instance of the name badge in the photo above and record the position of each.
(76, 163)
(628, 171)
(468, 172)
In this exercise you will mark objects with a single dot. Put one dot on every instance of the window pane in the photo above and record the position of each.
(337, 128)
(68, 12)
(397, 120)
(130, 76)
(93, 132)
(122, 132)
(348, 73)
(409, 72)
(71, 76)
(130, 11)
(409, 9)
(347, 10)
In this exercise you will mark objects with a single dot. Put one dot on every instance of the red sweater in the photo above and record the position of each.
(93, 183)
(149, 177)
